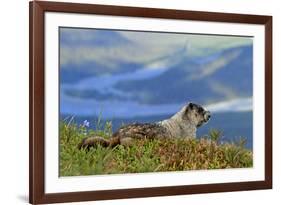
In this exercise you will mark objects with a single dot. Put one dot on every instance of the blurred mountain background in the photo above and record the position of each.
(128, 76)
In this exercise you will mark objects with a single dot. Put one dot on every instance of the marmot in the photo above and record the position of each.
(181, 125)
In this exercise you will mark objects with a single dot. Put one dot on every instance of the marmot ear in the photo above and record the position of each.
(191, 105)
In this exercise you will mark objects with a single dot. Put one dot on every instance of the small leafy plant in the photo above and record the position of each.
(215, 135)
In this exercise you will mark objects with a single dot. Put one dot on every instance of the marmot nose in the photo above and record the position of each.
(208, 115)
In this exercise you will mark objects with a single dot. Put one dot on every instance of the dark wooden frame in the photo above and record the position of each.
(37, 96)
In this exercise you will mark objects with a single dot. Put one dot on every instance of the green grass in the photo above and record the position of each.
(147, 155)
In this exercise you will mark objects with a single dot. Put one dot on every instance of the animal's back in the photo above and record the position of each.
(141, 130)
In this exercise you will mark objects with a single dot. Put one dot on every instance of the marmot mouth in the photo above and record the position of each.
(207, 116)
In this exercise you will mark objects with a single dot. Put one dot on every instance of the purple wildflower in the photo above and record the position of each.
(86, 123)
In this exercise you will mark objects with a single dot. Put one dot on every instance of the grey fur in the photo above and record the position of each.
(185, 122)
(181, 125)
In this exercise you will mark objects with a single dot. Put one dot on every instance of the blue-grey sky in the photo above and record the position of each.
(108, 46)
(112, 71)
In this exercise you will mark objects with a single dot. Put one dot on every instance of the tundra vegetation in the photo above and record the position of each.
(146, 155)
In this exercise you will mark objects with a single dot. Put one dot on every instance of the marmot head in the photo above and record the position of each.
(196, 114)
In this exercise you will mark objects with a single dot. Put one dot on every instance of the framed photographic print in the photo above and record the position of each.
(139, 102)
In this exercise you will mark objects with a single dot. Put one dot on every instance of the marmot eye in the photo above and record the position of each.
(200, 109)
